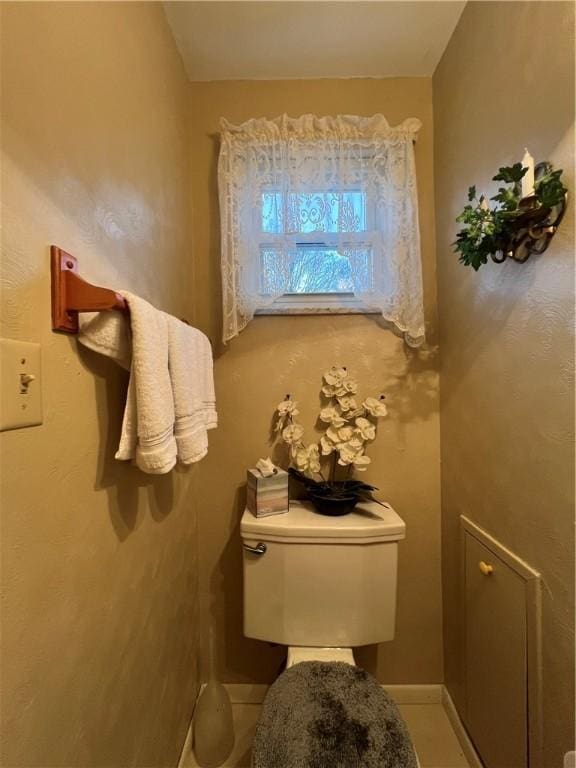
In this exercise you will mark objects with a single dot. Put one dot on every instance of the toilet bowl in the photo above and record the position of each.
(298, 654)
(322, 586)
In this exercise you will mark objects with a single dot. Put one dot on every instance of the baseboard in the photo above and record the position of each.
(460, 731)
(415, 694)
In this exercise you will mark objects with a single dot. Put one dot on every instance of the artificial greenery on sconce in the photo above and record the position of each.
(516, 226)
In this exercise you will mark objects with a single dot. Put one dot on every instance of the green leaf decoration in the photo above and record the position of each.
(507, 198)
(510, 173)
(486, 231)
(549, 190)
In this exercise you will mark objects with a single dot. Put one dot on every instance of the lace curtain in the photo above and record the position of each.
(329, 201)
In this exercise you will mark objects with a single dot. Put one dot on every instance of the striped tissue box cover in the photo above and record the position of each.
(267, 495)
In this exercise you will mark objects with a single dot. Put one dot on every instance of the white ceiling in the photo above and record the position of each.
(222, 40)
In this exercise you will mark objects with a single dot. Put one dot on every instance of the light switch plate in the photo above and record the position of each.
(21, 384)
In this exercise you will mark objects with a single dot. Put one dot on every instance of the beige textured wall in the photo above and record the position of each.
(505, 82)
(99, 612)
(275, 355)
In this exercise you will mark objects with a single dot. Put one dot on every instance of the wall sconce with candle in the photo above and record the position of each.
(523, 221)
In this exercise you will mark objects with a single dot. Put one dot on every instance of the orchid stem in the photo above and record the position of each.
(333, 469)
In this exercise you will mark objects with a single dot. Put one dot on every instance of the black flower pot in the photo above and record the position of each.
(333, 501)
(333, 498)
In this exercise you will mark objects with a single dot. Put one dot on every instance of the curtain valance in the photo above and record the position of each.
(311, 199)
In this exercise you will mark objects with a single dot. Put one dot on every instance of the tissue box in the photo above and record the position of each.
(267, 495)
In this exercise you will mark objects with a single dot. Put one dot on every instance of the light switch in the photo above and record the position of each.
(21, 392)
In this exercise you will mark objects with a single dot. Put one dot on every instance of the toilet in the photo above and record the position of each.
(322, 586)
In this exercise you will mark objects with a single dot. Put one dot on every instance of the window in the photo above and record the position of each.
(320, 214)
(321, 257)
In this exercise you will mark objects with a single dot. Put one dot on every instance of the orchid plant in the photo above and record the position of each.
(348, 428)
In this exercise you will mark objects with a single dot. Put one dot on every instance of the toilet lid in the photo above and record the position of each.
(328, 715)
(368, 523)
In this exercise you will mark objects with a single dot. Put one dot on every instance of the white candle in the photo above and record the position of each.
(528, 178)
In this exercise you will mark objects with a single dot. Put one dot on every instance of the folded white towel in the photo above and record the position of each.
(148, 425)
(171, 402)
(192, 377)
(109, 334)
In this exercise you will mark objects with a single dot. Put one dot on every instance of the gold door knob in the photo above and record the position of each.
(485, 568)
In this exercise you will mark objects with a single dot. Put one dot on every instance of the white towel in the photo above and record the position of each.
(109, 334)
(148, 425)
(191, 374)
(170, 403)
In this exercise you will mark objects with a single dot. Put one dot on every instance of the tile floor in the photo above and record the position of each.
(434, 739)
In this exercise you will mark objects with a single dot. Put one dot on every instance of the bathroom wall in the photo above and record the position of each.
(276, 355)
(506, 82)
(99, 565)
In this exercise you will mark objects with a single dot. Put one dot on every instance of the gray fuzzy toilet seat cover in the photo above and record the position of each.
(330, 715)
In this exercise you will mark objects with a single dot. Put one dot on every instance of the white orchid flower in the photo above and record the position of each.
(375, 407)
(350, 385)
(307, 459)
(347, 455)
(300, 458)
(347, 403)
(313, 459)
(335, 376)
(356, 443)
(338, 436)
(345, 434)
(366, 429)
(361, 462)
(288, 408)
(348, 426)
(332, 415)
(332, 435)
(352, 452)
(292, 433)
(331, 390)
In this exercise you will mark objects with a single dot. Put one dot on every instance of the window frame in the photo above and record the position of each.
(333, 302)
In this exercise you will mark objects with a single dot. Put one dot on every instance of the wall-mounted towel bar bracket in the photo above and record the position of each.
(71, 294)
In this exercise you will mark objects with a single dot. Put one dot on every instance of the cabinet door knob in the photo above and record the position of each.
(485, 568)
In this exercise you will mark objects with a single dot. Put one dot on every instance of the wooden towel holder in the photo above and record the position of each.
(71, 294)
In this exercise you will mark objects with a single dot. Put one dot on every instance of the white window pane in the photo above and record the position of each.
(319, 270)
(316, 269)
(362, 268)
(272, 215)
(274, 275)
(318, 211)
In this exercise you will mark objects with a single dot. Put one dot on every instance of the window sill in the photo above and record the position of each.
(319, 304)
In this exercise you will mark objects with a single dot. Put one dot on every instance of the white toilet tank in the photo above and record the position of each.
(321, 581)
